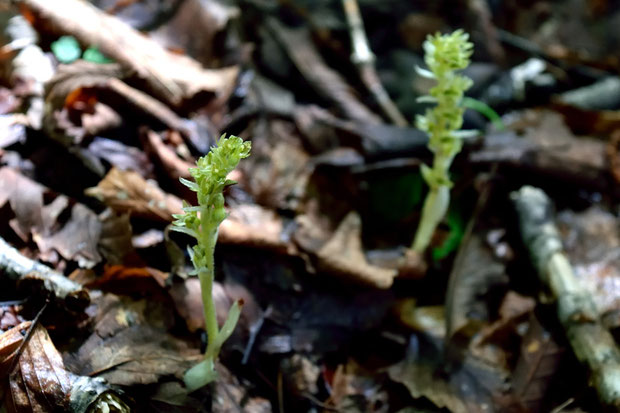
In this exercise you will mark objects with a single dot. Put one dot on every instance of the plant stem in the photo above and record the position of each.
(206, 276)
(435, 208)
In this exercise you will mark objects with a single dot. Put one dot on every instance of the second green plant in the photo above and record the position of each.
(443, 55)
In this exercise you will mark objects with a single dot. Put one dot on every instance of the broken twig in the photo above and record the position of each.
(364, 60)
(592, 343)
(18, 267)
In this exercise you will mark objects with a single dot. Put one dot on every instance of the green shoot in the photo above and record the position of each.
(202, 223)
(444, 55)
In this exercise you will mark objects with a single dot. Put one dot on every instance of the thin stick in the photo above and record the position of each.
(364, 60)
(592, 343)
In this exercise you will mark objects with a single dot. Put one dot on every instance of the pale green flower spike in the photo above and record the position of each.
(202, 223)
(443, 55)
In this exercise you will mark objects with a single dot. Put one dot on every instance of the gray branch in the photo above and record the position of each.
(592, 343)
(17, 267)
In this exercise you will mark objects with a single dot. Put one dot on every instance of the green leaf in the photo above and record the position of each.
(92, 54)
(456, 225)
(66, 49)
(486, 110)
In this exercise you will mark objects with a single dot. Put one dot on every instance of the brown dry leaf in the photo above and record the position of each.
(81, 96)
(122, 156)
(9, 344)
(130, 280)
(163, 154)
(128, 191)
(188, 302)
(193, 28)
(78, 238)
(253, 225)
(540, 140)
(170, 77)
(115, 242)
(477, 274)
(356, 390)
(75, 240)
(278, 171)
(343, 255)
(131, 345)
(493, 344)
(540, 359)
(26, 199)
(40, 382)
(592, 242)
(472, 388)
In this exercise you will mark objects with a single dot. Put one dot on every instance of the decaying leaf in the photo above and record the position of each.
(39, 382)
(10, 341)
(253, 225)
(592, 242)
(131, 345)
(354, 389)
(343, 255)
(127, 191)
(539, 360)
(75, 240)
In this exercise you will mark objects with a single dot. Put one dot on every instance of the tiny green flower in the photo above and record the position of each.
(202, 222)
(444, 54)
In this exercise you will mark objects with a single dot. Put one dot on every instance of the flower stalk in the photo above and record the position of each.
(202, 222)
(443, 55)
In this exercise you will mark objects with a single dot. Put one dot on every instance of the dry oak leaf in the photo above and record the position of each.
(128, 191)
(343, 255)
(39, 382)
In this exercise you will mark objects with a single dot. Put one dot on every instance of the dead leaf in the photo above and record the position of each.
(78, 238)
(119, 279)
(592, 242)
(253, 225)
(128, 192)
(131, 345)
(354, 389)
(164, 155)
(75, 240)
(81, 96)
(539, 360)
(9, 344)
(40, 382)
(115, 242)
(193, 28)
(343, 255)
(121, 156)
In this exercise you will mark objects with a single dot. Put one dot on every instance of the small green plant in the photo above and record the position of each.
(444, 55)
(202, 223)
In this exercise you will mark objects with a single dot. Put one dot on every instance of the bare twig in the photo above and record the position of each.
(592, 343)
(325, 81)
(18, 267)
(364, 60)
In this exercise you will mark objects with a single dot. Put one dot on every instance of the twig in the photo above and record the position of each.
(27, 336)
(364, 60)
(18, 267)
(592, 343)
(325, 81)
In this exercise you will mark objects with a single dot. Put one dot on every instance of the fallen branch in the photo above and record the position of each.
(592, 343)
(18, 267)
(170, 77)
